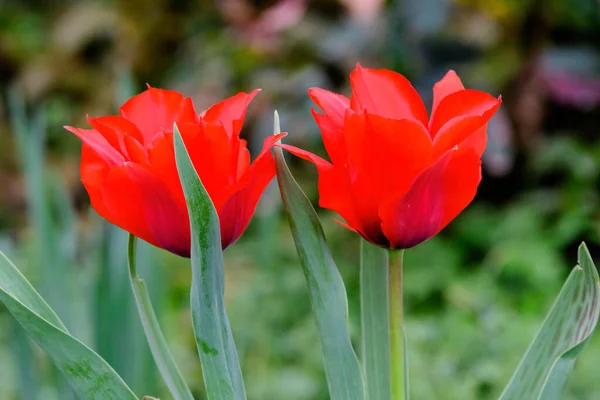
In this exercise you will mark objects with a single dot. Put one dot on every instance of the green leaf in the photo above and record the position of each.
(374, 320)
(50, 232)
(545, 368)
(158, 345)
(220, 365)
(326, 288)
(25, 360)
(89, 375)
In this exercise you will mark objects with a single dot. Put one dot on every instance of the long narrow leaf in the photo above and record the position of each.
(220, 365)
(25, 360)
(374, 320)
(89, 375)
(326, 288)
(158, 345)
(549, 360)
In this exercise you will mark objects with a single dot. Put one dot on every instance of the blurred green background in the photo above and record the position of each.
(476, 294)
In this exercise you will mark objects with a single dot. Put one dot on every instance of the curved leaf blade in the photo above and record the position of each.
(326, 288)
(218, 356)
(156, 340)
(90, 376)
(550, 358)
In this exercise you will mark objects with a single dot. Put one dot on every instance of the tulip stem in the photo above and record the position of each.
(374, 320)
(398, 367)
(158, 345)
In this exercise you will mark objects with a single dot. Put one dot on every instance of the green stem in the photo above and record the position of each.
(374, 320)
(158, 345)
(398, 383)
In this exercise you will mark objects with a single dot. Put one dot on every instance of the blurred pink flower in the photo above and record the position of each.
(263, 31)
(578, 91)
(363, 11)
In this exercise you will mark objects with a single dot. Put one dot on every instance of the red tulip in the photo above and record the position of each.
(395, 176)
(128, 166)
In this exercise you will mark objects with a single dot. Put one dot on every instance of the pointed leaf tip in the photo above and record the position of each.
(550, 359)
(276, 125)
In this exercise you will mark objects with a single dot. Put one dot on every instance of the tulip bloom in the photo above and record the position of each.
(396, 176)
(128, 166)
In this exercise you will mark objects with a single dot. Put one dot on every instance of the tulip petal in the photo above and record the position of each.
(156, 110)
(93, 170)
(237, 206)
(459, 129)
(230, 112)
(331, 123)
(123, 135)
(212, 154)
(114, 128)
(387, 94)
(161, 155)
(135, 151)
(98, 144)
(319, 162)
(335, 192)
(449, 84)
(136, 201)
(243, 160)
(384, 157)
(435, 198)
(461, 104)
(333, 105)
(333, 137)
(477, 141)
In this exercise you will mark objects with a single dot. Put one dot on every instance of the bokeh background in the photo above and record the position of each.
(476, 294)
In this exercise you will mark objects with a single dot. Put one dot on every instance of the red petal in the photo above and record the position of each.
(435, 198)
(387, 94)
(477, 141)
(230, 112)
(236, 206)
(449, 84)
(136, 200)
(333, 137)
(135, 151)
(161, 154)
(459, 129)
(212, 154)
(243, 161)
(93, 170)
(99, 145)
(156, 110)
(308, 156)
(114, 128)
(463, 103)
(334, 188)
(333, 105)
(332, 123)
(384, 157)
